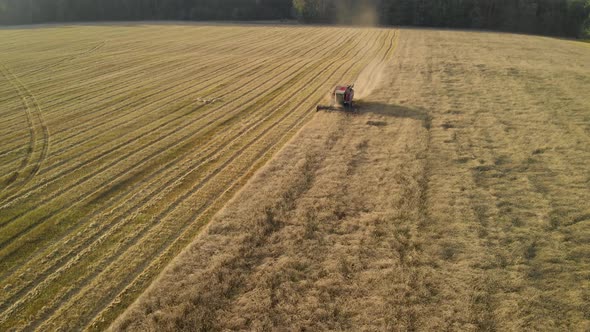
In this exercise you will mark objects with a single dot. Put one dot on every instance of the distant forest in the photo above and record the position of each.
(551, 17)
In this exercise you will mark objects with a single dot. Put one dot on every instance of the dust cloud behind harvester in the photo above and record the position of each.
(360, 13)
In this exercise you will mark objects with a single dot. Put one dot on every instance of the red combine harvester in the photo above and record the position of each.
(342, 97)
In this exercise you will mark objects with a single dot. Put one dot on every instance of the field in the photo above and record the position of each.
(455, 200)
(120, 142)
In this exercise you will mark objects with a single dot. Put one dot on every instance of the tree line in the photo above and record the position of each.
(550, 17)
(43, 11)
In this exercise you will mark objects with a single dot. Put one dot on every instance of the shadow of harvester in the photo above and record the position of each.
(392, 110)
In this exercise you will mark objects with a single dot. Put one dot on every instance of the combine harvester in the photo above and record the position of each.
(342, 99)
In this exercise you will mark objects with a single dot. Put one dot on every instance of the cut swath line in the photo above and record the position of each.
(317, 74)
(181, 140)
(57, 165)
(195, 214)
(164, 168)
(134, 277)
(119, 71)
(125, 144)
(184, 165)
(69, 58)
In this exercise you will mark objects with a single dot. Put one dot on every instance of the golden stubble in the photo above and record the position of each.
(455, 199)
(119, 142)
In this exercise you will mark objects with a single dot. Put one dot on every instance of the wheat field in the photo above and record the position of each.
(455, 199)
(119, 142)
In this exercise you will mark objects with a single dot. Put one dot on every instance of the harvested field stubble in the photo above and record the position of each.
(120, 142)
(457, 199)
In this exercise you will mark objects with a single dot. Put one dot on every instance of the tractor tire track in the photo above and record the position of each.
(31, 133)
(38, 135)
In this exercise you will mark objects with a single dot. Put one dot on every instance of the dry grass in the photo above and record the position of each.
(456, 200)
(118, 143)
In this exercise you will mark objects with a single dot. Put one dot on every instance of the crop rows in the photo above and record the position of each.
(145, 146)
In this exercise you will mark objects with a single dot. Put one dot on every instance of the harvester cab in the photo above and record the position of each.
(342, 97)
